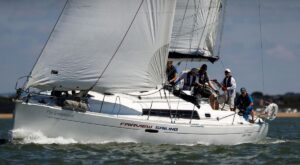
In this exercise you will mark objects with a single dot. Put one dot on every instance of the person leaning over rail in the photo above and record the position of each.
(189, 79)
(245, 104)
(229, 86)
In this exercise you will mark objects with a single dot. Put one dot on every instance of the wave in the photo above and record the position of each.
(23, 136)
(269, 140)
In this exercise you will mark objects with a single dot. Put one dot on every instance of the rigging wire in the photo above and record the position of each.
(261, 46)
(40, 54)
(114, 54)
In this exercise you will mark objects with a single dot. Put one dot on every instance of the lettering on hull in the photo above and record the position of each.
(58, 114)
(134, 125)
(166, 128)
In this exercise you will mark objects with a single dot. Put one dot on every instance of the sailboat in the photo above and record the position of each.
(101, 76)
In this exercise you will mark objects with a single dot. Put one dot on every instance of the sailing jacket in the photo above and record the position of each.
(203, 78)
(188, 78)
(243, 102)
(230, 84)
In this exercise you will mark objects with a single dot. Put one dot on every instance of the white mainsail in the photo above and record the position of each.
(195, 27)
(107, 46)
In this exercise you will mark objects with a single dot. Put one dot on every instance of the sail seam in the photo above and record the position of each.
(183, 18)
(112, 57)
(194, 22)
(205, 23)
(197, 29)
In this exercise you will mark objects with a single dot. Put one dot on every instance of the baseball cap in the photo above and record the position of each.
(228, 70)
(243, 90)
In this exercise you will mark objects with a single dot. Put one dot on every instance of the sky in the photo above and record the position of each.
(25, 26)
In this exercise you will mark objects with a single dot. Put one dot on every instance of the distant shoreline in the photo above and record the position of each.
(288, 115)
(279, 115)
(6, 116)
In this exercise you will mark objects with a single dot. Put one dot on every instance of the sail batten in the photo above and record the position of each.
(194, 29)
(89, 33)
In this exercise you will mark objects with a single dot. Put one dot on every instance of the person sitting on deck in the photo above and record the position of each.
(245, 104)
(189, 79)
(204, 87)
(171, 73)
(59, 96)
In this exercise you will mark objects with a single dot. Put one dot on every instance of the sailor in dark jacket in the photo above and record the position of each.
(189, 79)
(204, 87)
(171, 72)
(245, 104)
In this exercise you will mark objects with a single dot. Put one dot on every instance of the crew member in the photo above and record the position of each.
(245, 104)
(171, 72)
(229, 86)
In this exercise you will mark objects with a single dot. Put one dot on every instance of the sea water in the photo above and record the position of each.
(282, 146)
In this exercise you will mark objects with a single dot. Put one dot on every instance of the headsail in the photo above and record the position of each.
(195, 29)
(107, 45)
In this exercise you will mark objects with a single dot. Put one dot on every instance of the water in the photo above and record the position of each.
(282, 146)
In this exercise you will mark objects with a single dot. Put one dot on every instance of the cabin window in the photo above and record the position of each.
(185, 114)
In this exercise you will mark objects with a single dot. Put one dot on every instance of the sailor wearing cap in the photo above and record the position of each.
(245, 104)
(229, 86)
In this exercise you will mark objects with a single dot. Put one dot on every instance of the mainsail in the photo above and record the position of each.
(195, 29)
(107, 46)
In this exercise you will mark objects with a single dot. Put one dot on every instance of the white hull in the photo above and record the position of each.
(92, 127)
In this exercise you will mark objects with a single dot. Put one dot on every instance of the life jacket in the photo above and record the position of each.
(228, 82)
(203, 78)
(244, 102)
(189, 80)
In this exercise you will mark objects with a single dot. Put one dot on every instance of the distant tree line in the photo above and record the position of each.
(6, 105)
(288, 100)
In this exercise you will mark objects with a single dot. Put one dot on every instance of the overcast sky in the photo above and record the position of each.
(26, 24)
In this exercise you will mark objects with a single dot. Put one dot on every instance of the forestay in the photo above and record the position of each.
(107, 46)
(195, 28)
